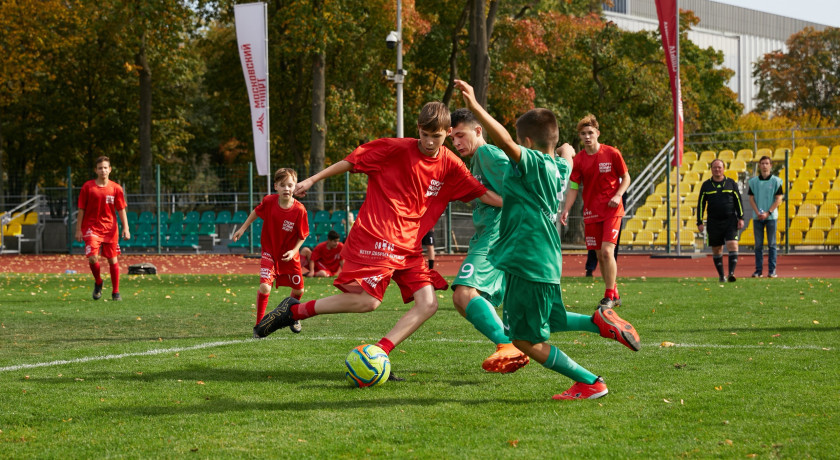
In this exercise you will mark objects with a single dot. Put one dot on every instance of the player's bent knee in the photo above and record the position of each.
(265, 288)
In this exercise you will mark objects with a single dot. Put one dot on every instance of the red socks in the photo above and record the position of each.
(115, 277)
(386, 345)
(611, 293)
(94, 268)
(303, 310)
(262, 302)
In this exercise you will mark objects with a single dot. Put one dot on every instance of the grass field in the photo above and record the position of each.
(172, 372)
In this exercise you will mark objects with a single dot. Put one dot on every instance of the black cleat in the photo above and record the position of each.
(394, 378)
(617, 302)
(97, 291)
(115, 296)
(280, 317)
(296, 327)
(256, 335)
(589, 273)
(606, 302)
(722, 279)
(731, 278)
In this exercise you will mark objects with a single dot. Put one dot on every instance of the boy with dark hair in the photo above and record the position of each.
(601, 171)
(285, 227)
(479, 287)
(410, 181)
(326, 258)
(529, 248)
(100, 201)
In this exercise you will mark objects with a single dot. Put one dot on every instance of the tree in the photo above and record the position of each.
(806, 77)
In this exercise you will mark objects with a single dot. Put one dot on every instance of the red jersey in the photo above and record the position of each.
(329, 258)
(599, 176)
(101, 205)
(404, 185)
(282, 228)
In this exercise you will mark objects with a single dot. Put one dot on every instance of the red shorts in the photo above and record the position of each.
(605, 231)
(95, 246)
(319, 267)
(271, 273)
(375, 280)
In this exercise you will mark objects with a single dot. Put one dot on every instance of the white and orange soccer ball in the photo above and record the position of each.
(367, 366)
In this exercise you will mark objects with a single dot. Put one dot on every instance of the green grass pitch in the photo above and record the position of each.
(172, 372)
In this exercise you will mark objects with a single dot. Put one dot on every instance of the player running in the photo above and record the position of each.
(409, 181)
(285, 227)
(100, 201)
(479, 287)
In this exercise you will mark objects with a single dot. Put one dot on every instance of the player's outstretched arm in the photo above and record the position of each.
(335, 169)
(491, 198)
(495, 129)
(251, 218)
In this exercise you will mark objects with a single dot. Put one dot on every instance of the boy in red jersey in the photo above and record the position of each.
(326, 258)
(285, 227)
(99, 203)
(600, 169)
(409, 181)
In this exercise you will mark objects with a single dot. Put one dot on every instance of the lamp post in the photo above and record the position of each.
(394, 40)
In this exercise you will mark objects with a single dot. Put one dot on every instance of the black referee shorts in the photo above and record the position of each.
(721, 231)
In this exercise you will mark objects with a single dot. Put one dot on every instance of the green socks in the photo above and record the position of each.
(559, 362)
(481, 313)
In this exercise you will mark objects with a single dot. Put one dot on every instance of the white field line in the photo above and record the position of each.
(159, 351)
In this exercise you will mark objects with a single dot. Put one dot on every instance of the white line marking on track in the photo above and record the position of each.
(160, 351)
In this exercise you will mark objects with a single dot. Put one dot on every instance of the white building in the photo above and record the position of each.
(742, 34)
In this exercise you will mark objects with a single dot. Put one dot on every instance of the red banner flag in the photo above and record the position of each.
(669, 25)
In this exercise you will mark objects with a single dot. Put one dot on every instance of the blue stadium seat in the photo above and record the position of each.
(223, 217)
(207, 217)
(192, 217)
(239, 217)
(321, 216)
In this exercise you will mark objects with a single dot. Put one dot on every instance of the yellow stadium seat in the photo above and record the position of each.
(814, 163)
(794, 198)
(17, 218)
(707, 156)
(643, 238)
(685, 167)
(744, 154)
(832, 195)
(801, 186)
(661, 213)
(827, 172)
(832, 238)
(738, 166)
(794, 237)
(644, 213)
(820, 151)
(689, 157)
(731, 174)
(691, 178)
(634, 225)
(807, 210)
(12, 229)
(800, 223)
(661, 188)
(821, 223)
(835, 185)
(686, 210)
(833, 161)
(781, 213)
(700, 166)
(796, 163)
(814, 197)
(685, 188)
(835, 150)
(814, 238)
(802, 151)
(654, 225)
(31, 218)
(654, 199)
(791, 174)
(726, 155)
(747, 237)
(807, 173)
(821, 184)
(829, 209)
(778, 154)
(687, 238)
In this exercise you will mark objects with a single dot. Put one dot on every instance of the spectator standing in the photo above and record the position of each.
(765, 192)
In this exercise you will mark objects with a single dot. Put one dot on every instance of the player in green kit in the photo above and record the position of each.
(528, 251)
(479, 287)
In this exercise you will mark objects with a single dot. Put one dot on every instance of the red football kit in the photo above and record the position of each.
(282, 228)
(99, 223)
(404, 187)
(327, 259)
(599, 176)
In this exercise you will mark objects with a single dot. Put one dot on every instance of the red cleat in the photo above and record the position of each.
(612, 326)
(506, 359)
(582, 390)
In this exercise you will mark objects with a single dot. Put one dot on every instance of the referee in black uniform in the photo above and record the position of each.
(725, 217)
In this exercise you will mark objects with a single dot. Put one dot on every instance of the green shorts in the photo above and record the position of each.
(477, 272)
(532, 311)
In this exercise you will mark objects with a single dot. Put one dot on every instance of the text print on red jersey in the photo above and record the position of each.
(109, 199)
(604, 167)
(288, 226)
(373, 280)
(384, 246)
(434, 188)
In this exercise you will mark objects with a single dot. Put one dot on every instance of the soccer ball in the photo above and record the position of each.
(367, 366)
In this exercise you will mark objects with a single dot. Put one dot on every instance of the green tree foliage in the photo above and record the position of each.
(806, 77)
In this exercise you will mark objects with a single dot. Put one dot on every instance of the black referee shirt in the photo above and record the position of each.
(723, 199)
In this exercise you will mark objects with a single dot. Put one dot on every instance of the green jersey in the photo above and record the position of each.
(529, 243)
(488, 166)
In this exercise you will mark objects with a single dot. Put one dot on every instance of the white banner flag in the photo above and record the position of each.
(251, 38)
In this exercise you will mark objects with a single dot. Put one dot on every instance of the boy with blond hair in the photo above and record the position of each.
(285, 227)
(100, 201)
(529, 248)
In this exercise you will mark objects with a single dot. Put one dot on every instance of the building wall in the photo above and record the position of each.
(743, 35)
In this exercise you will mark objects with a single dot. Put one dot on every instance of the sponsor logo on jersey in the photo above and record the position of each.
(372, 281)
(384, 245)
(109, 199)
(604, 167)
(434, 188)
(590, 241)
(288, 226)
